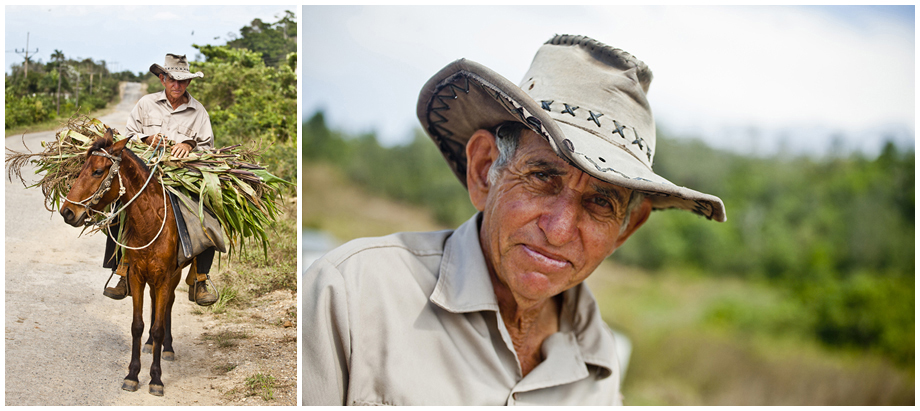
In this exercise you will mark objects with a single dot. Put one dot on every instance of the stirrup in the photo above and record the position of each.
(105, 287)
(193, 291)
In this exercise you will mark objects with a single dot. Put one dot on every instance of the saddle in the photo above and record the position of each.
(195, 238)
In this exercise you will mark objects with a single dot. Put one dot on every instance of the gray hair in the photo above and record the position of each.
(507, 136)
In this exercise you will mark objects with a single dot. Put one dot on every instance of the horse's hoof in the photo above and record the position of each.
(148, 348)
(156, 390)
(169, 356)
(129, 385)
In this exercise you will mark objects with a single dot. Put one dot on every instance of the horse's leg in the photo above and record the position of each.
(148, 346)
(159, 331)
(169, 354)
(137, 331)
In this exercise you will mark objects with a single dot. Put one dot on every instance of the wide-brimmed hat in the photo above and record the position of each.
(175, 66)
(587, 99)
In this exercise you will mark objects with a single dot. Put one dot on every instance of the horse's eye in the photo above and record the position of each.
(98, 172)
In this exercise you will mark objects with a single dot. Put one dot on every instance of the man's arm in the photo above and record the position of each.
(134, 128)
(204, 137)
(326, 339)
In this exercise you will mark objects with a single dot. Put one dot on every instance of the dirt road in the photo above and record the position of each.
(67, 344)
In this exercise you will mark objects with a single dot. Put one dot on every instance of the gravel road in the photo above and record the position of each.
(65, 343)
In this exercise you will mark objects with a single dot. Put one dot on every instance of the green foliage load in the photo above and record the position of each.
(228, 181)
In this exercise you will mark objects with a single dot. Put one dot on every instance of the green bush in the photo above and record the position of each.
(251, 102)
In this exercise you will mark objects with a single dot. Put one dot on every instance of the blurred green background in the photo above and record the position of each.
(805, 296)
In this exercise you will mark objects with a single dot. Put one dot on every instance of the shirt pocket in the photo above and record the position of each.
(151, 125)
(185, 133)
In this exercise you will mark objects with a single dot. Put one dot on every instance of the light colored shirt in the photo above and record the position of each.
(189, 123)
(412, 319)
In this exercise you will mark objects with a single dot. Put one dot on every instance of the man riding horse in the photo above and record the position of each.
(173, 115)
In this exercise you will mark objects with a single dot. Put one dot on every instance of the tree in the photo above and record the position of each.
(274, 40)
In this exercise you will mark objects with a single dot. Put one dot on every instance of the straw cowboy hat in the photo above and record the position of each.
(587, 99)
(175, 66)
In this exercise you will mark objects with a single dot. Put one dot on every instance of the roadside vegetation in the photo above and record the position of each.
(45, 95)
(805, 296)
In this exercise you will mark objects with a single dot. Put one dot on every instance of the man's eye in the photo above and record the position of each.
(541, 175)
(603, 202)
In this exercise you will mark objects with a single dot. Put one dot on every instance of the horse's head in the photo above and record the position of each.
(98, 184)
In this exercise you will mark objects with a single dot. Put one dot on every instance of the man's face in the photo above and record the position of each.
(547, 225)
(175, 89)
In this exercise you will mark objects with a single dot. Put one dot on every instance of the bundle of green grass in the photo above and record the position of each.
(228, 181)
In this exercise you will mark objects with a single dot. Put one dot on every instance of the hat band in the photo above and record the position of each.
(616, 128)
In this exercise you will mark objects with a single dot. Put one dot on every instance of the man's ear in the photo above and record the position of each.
(481, 152)
(638, 217)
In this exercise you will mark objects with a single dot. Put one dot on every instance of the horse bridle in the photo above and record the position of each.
(106, 183)
(104, 188)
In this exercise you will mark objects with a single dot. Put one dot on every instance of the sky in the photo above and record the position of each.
(756, 80)
(126, 37)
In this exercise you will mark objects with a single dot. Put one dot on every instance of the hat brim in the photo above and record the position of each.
(466, 96)
(157, 69)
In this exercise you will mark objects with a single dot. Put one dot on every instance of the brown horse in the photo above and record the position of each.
(113, 172)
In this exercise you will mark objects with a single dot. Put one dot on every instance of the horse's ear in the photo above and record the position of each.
(109, 134)
(120, 145)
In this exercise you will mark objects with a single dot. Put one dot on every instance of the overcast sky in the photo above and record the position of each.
(748, 78)
(126, 37)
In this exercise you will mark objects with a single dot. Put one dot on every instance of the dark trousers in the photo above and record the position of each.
(203, 260)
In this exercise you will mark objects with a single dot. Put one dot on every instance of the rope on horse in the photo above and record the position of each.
(103, 188)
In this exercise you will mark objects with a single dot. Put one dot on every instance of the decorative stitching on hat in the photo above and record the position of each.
(618, 128)
(569, 109)
(546, 104)
(595, 117)
(435, 105)
(638, 140)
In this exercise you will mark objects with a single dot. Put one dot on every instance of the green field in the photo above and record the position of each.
(697, 339)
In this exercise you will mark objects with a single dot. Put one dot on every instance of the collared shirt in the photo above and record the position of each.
(189, 123)
(412, 319)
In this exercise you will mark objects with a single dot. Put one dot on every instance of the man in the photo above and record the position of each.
(496, 311)
(171, 116)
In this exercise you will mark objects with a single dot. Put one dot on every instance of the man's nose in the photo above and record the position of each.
(559, 220)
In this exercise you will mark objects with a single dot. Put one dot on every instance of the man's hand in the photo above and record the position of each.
(181, 150)
(155, 139)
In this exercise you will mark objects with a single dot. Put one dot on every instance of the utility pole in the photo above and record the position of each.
(59, 57)
(26, 51)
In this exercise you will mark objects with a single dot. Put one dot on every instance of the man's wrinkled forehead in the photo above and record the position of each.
(541, 156)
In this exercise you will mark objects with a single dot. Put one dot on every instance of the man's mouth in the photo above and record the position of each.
(545, 258)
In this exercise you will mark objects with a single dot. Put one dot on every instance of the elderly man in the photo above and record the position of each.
(171, 116)
(496, 311)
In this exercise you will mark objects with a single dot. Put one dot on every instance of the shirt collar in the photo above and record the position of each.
(192, 103)
(464, 286)
(463, 282)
